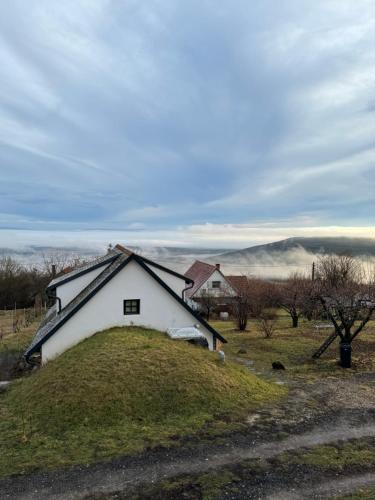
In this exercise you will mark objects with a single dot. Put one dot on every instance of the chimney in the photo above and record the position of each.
(53, 270)
(217, 266)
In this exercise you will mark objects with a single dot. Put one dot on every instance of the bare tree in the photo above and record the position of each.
(18, 285)
(267, 323)
(253, 296)
(295, 295)
(346, 293)
(54, 263)
(208, 301)
(241, 302)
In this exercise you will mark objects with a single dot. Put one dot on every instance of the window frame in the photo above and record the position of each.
(133, 309)
(217, 283)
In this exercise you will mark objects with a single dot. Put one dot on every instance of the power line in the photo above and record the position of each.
(266, 265)
(226, 264)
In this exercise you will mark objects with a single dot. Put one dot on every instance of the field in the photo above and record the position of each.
(117, 396)
(294, 348)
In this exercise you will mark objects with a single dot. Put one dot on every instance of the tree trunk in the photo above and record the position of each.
(295, 321)
(242, 323)
(345, 354)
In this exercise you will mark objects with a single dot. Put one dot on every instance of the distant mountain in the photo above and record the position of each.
(316, 246)
(276, 259)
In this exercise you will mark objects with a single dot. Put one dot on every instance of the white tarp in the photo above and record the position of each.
(185, 333)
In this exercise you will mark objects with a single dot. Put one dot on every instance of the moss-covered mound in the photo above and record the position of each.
(118, 392)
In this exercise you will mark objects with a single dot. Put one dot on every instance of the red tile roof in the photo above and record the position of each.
(237, 282)
(199, 272)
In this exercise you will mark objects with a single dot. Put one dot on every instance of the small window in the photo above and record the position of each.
(132, 306)
(216, 284)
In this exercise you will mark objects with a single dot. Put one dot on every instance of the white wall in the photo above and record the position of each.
(68, 291)
(158, 310)
(177, 284)
(225, 288)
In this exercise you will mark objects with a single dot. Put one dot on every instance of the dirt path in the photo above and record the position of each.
(157, 465)
(327, 489)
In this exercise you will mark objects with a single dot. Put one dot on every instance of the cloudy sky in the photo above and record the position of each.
(192, 122)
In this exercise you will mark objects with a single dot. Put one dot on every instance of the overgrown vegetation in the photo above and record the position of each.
(119, 392)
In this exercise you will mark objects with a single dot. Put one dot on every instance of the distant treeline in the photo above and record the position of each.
(23, 286)
(19, 285)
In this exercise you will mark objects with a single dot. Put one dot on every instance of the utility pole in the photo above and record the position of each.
(313, 272)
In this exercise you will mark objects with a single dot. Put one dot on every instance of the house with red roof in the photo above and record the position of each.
(211, 290)
(208, 278)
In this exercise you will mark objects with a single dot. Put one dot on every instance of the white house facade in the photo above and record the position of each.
(208, 279)
(120, 289)
(216, 285)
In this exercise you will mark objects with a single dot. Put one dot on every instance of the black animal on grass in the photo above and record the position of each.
(276, 365)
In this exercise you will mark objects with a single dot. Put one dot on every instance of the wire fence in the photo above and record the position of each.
(15, 320)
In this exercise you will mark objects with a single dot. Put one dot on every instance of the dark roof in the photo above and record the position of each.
(55, 322)
(199, 272)
(83, 269)
(170, 271)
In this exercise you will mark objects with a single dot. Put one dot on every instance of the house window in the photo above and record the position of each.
(216, 284)
(132, 306)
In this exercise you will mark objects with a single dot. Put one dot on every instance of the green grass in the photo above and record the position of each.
(18, 341)
(360, 452)
(205, 487)
(294, 348)
(117, 393)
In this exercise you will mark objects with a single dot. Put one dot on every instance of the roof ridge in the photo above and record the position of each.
(123, 249)
(205, 263)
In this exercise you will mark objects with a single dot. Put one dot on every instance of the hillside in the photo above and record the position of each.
(116, 393)
(332, 245)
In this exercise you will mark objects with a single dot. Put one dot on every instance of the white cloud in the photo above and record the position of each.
(117, 113)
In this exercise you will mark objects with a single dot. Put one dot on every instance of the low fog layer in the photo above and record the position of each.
(268, 264)
(258, 263)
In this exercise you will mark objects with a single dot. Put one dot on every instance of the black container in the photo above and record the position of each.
(345, 355)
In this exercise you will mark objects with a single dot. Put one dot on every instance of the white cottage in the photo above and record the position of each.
(118, 289)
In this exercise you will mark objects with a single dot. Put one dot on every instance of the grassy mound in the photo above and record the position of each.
(117, 392)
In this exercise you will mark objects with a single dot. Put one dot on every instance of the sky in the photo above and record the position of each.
(199, 123)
